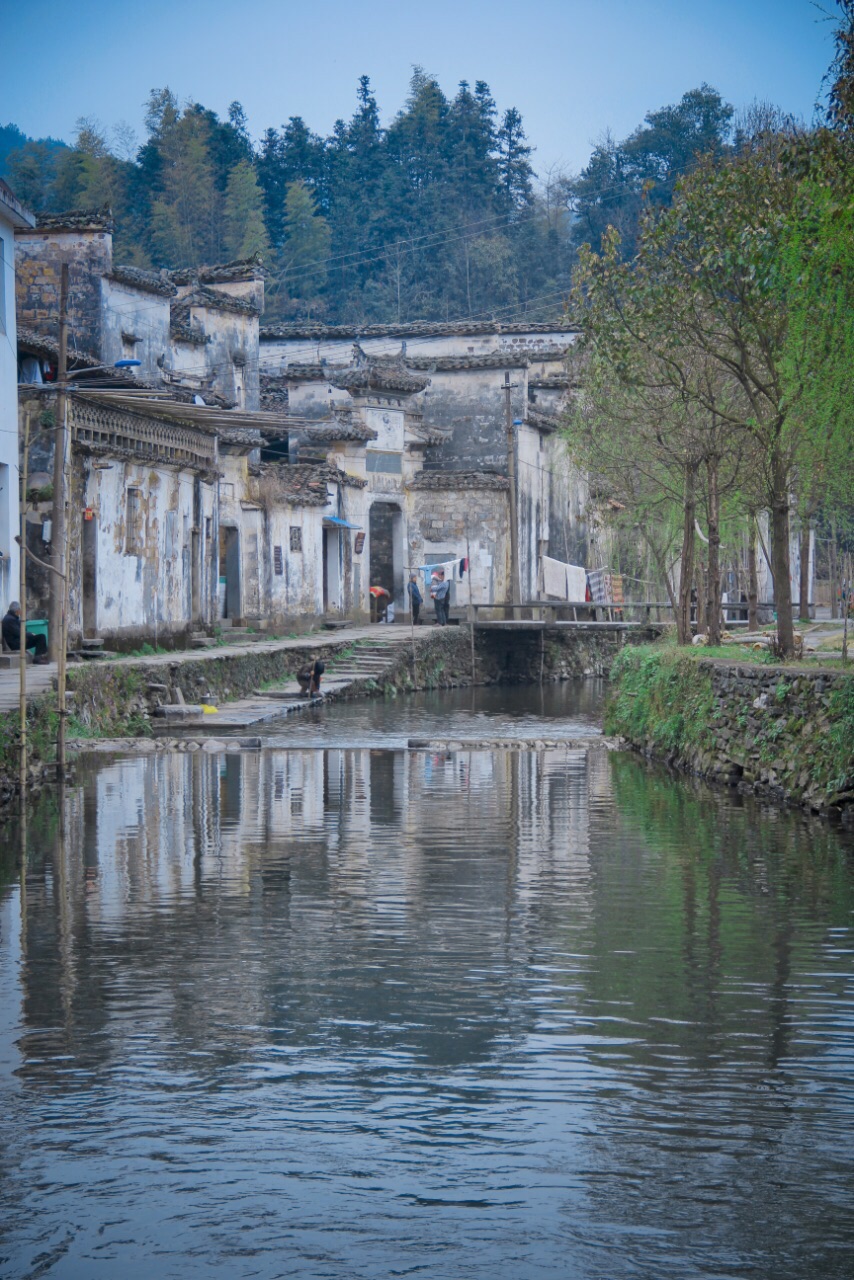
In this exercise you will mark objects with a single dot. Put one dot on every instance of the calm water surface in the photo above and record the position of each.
(346, 1011)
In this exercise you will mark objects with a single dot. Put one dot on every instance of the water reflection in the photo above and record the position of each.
(358, 1012)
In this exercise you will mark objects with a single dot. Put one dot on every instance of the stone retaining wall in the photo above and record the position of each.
(787, 731)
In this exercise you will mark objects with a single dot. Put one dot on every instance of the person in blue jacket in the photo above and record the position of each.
(416, 599)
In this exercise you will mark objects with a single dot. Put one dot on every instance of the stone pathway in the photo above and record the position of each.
(40, 679)
(370, 658)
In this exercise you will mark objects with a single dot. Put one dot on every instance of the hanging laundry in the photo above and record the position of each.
(554, 578)
(576, 583)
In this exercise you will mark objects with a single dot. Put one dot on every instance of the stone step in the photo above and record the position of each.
(202, 642)
(92, 642)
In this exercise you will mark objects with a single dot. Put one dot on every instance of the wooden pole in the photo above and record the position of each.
(846, 605)
(22, 652)
(471, 608)
(59, 526)
(412, 627)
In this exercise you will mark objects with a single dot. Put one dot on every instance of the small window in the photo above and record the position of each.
(133, 522)
(388, 462)
(278, 562)
(296, 537)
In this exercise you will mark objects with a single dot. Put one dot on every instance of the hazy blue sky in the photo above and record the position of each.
(574, 68)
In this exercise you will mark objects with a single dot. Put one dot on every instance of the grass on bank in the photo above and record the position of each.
(661, 697)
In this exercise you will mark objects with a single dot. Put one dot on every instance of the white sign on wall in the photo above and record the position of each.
(388, 424)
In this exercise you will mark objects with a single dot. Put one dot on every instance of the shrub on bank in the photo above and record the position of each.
(787, 729)
(660, 699)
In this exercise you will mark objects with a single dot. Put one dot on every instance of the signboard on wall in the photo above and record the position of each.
(359, 543)
(388, 424)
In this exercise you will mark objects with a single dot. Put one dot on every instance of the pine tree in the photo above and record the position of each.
(243, 214)
(513, 163)
(302, 260)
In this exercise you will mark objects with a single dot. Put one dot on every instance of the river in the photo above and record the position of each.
(338, 1009)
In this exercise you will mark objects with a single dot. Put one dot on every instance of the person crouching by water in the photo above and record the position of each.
(416, 599)
(308, 678)
(12, 635)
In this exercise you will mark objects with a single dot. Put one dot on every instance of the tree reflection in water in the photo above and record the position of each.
(488, 1013)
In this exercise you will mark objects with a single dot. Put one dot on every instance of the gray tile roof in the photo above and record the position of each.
(459, 480)
(137, 278)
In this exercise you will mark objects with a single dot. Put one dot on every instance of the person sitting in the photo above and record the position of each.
(12, 635)
(308, 678)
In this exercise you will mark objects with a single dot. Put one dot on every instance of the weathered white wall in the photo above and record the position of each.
(134, 313)
(9, 563)
(148, 589)
(532, 507)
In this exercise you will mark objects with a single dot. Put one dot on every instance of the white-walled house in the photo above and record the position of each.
(13, 217)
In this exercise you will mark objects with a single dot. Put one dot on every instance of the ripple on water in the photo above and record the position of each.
(355, 1012)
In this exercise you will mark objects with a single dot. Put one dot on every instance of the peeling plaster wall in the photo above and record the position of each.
(134, 313)
(568, 531)
(143, 586)
(231, 356)
(470, 404)
(532, 507)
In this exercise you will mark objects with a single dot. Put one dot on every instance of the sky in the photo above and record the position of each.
(574, 68)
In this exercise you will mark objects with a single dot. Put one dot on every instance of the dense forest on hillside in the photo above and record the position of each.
(441, 214)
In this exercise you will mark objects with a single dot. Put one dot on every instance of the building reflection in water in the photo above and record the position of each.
(595, 991)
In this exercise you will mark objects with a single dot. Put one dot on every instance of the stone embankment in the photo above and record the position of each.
(120, 699)
(785, 731)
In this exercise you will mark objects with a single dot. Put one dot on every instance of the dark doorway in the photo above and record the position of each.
(229, 572)
(89, 552)
(386, 550)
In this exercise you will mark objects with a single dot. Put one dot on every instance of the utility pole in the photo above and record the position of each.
(22, 670)
(58, 614)
(511, 474)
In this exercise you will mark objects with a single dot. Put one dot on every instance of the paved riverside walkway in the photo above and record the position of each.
(40, 679)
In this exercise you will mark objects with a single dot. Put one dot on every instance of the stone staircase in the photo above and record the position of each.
(367, 660)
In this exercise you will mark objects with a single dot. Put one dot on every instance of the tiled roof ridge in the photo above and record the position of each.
(76, 220)
(238, 269)
(414, 328)
(203, 296)
(459, 480)
(305, 483)
(44, 343)
(151, 281)
(370, 377)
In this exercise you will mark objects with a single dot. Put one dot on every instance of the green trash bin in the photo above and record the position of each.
(37, 627)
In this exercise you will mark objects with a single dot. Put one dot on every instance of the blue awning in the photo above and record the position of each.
(335, 522)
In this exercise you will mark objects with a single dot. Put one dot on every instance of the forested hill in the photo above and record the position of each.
(438, 215)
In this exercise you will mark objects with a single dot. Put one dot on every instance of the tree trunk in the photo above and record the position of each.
(713, 580)
(780, 560)
(701, 596)
(752, 577)
(834, 571)
(686, 576)
(804, 584)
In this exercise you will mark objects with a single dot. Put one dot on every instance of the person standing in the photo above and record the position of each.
(415, 598)
(440, 591)
(11, 627)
